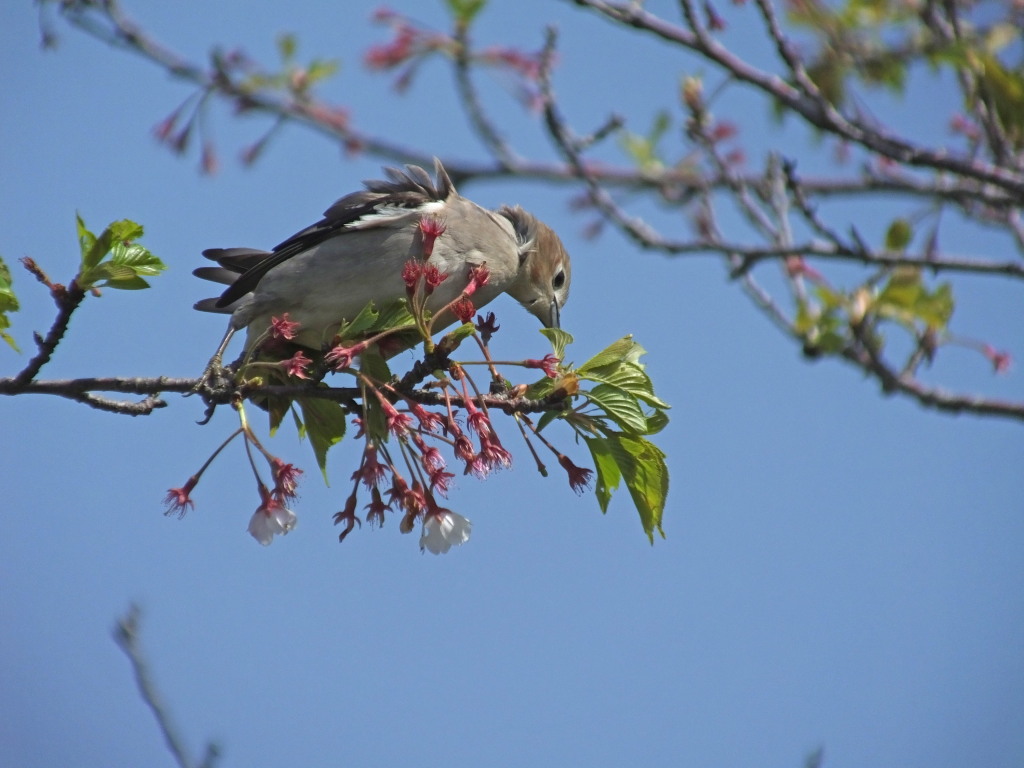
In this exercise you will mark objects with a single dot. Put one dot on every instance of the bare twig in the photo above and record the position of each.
(126, 635)
(481, 123)
(67, 300)
(815, 112)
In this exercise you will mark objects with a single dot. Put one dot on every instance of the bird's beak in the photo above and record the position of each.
(553, 315)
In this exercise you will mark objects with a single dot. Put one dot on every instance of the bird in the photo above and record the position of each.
(328, 272)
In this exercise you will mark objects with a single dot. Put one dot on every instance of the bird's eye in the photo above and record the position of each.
(559, 280)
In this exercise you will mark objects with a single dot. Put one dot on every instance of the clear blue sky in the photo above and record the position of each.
(840, 570)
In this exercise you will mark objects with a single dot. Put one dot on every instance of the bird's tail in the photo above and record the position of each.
(232, 263)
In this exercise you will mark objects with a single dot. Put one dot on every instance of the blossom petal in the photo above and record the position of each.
(443, 531)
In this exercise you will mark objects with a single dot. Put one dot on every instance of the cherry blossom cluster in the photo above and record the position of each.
(272, 517)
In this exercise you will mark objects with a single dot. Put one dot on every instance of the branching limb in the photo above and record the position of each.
(67, 299)
(817, 113)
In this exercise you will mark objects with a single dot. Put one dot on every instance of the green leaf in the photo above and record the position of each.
(559, 340)
(898, 236)
(366, 319)
(607, 473)
(128, 261)
(643, 467)
(395, 315)
(630, 377)
(656, 422)
(620, 406)
(287, 46)
(8, 303)
(325, 423)
(136, 257)
(623, 350)
(461, 333)
(321, 69)
(465, 11)
(373, 366)
(92, 250)
(1006, 89)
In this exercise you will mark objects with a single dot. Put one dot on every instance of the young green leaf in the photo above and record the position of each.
(898, 236)
(623, 350)
(559, 340)
(607, 470)
(621, 407)
(643, 467)
(8, 303)
(465, 11)
(325, 427)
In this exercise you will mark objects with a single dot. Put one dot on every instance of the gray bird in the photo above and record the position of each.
(329, 271)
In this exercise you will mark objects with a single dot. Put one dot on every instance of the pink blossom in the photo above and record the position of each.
(178, 500)
(286, 478)
(296, 365)
(283, 327)
(549, 364)
(371, 471)
(341, 357)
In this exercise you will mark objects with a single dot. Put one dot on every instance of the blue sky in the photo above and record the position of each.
(840, 569)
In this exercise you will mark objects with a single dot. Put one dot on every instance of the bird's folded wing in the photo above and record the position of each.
(407, 193)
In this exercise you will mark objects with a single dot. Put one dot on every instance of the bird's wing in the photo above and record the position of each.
(405, 193)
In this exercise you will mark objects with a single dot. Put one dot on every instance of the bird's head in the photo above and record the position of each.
(542, 283)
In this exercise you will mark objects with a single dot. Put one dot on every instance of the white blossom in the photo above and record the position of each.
(444, 529)
(269, 520)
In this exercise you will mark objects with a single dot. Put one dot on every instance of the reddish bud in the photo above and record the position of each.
(464, 448)
(796, 266)
(1000, 360)
(464, 310)
(715, 22)
(375, 509)
(411, 272)
(486, 327)
(433, 277)
(478, 278)
(209, 161)
(431, 228)
(579, 478)
(348, 517)
(178, 500)
(549, 365)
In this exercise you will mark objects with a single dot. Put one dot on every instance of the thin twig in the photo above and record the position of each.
(126, 635)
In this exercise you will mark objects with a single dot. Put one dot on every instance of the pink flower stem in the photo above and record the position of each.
(520, 418)
(214, 455)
